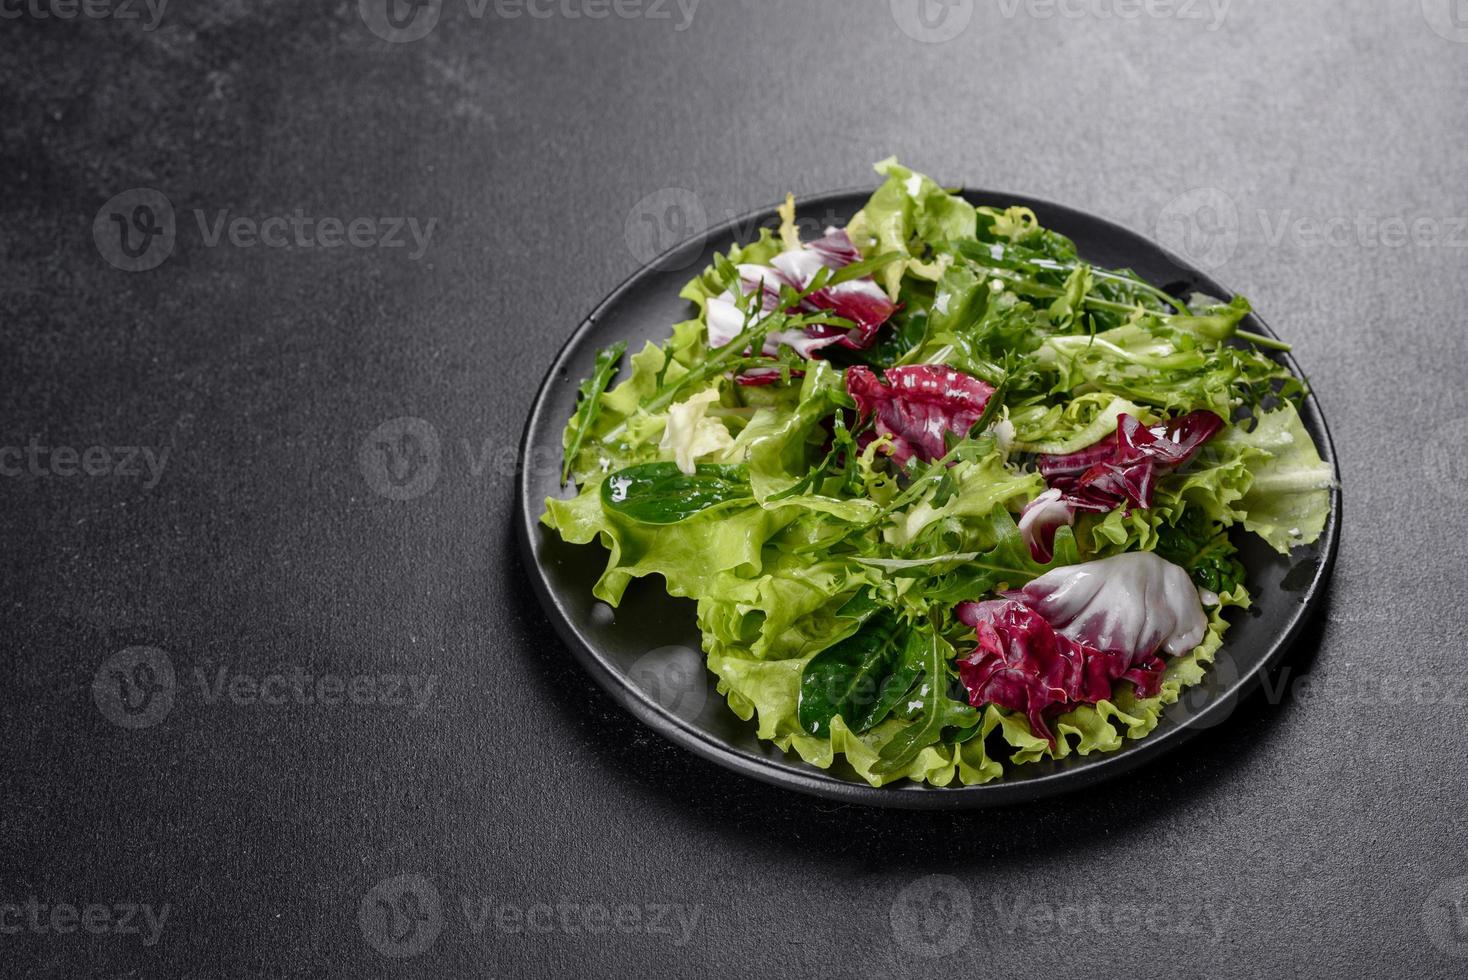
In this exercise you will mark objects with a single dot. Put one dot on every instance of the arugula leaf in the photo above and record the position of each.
(939, 711)
(1006, 564)
(588, 406)
(862, 269)
(660, 493)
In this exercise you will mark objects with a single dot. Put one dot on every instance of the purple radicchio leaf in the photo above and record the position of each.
(917, 405)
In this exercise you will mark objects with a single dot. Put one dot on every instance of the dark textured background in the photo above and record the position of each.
(1323, 832)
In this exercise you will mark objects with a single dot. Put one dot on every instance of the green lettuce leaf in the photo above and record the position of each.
(908, 215)
(1269, 478)
(1288, 498)
(690, 554)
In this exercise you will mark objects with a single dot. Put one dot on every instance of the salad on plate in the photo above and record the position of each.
(949, 499)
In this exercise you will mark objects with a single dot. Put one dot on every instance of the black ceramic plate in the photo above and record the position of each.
(646, 653)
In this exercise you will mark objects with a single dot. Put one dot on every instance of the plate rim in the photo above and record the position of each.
(905, 794)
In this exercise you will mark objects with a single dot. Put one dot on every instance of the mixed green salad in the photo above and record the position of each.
(950, 500)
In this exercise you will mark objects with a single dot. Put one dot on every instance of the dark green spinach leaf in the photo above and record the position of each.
(660, 493)
(860, 678)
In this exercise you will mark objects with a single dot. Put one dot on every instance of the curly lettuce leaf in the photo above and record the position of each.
(689, 555)
(908, 215)
(791, 608)
(1270, 478)
(1288, 498)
